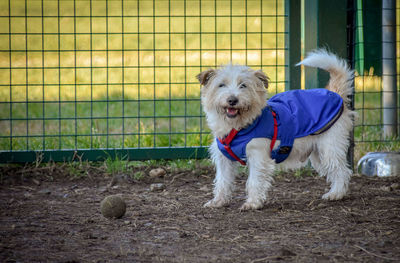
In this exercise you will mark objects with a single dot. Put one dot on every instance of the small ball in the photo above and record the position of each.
(113, 206)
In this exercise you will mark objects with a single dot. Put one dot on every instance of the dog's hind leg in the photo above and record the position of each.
(330, 161)
(224, 181)
(338, 175)
(316, 161)
(261, 168)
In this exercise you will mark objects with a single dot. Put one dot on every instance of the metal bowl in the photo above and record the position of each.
(380, 164)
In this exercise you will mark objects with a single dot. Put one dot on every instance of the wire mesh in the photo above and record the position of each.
(121, 74)
(368, 99)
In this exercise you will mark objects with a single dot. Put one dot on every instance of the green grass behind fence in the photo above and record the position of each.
(116, 74)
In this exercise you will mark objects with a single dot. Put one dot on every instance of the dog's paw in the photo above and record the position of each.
(251, 206)
(215, 203)
(333, 196)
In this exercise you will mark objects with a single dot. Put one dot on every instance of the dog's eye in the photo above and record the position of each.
(242, 86)
(221, 85)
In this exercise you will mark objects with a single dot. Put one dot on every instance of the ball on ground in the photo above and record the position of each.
(113, 206)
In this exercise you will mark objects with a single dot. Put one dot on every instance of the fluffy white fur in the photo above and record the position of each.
(327, 151)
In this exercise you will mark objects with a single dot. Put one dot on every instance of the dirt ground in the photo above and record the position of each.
(48, 215)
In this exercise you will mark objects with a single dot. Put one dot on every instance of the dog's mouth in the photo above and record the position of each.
(231, 112)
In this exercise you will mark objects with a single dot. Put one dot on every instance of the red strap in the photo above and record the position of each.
(231, 153)
(273, 140)
(227, 141)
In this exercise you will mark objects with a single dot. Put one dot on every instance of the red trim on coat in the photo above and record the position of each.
(229, 138)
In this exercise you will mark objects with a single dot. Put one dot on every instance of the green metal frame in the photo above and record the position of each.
(159, 153)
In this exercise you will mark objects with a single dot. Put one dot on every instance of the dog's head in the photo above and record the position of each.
(232, 96)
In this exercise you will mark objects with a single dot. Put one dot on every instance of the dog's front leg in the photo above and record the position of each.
(224, 182)
(261, 168)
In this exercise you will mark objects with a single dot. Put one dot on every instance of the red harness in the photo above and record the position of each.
(228, 139)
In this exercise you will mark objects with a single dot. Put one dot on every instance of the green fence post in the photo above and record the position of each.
(332, 23)
(310, 36)
(325, 25)
(293, 44)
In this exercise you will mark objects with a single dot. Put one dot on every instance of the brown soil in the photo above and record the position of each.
(47, 215)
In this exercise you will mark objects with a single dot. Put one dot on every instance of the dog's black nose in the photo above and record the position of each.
(232, 100)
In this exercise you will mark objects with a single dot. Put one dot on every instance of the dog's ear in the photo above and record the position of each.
(205, 76)
(261, 76)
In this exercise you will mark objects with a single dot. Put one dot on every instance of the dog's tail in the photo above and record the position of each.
(341, 75)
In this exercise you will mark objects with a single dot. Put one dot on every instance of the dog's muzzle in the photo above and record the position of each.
(231, 111)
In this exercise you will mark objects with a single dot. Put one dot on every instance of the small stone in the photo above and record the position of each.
(395, 186)
(127, 222)
(113, 206)
(183, 235)
(45, 191)
(27, 195)
(158, 172)
(81, 190)
(37, 182)
(287, 252)
(204, 188)
(103, 189)
(386, 188)
(388, 232)
(157, 187)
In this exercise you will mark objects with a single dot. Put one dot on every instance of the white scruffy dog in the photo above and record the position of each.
(234, 96)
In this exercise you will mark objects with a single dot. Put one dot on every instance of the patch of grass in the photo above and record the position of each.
(304, 172)
(182, 164)
(115, 166)
(139, 175)
(77, 169)
(280, 172)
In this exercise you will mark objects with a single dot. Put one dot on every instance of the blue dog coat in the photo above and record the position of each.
(299, 113)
